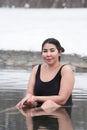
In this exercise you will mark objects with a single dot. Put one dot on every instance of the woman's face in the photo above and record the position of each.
(50, 53)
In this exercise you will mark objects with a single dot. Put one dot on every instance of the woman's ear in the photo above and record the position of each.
(60, 52)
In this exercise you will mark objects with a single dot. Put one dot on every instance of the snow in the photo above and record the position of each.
(26, 29)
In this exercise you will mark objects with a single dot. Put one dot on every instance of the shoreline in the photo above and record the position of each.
(27, 59)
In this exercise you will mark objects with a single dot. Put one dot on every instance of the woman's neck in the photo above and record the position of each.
(52, 66)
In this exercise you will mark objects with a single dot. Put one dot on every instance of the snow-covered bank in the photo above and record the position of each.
(25, 29)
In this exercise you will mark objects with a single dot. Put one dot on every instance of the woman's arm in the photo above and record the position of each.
(31, 81)
(66, 87)
(27, 99)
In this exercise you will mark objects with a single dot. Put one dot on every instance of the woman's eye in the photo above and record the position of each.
(44, 50)
(52, 50)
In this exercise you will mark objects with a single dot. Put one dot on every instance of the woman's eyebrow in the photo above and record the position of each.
(53, 48)
(48, 49)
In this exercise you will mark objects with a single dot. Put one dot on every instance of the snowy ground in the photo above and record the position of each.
(26, 29)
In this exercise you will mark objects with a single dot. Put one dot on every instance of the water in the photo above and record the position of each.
(13, 84)
(14, 79)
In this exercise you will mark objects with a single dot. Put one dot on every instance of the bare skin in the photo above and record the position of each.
(56, 111)
(49, 69)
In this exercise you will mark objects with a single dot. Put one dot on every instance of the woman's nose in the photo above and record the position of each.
(48, 53)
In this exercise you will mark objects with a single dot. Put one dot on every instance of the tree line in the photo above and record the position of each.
(44, 3)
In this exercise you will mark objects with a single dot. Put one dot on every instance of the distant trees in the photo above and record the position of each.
(44, 3)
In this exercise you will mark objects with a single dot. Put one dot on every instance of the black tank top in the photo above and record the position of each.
(51, 87)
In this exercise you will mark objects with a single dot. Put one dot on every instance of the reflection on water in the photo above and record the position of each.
(53, 120)
(12, 88)
(45, 122)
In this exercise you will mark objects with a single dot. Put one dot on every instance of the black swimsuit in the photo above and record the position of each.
(49, 88)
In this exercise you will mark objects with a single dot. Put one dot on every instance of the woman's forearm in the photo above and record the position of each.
(57, 99)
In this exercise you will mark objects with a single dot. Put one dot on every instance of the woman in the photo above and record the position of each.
(51, 82)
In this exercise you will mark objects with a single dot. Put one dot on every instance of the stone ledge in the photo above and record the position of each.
(28, 59)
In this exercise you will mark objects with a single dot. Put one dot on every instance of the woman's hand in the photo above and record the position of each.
(25, 101)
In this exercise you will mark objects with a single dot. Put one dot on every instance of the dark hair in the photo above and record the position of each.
(55, 42)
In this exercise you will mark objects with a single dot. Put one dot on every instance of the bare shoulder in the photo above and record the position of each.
(34, 70)
(66, 69)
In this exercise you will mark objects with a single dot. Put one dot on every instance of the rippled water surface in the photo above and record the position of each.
(13, 84)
